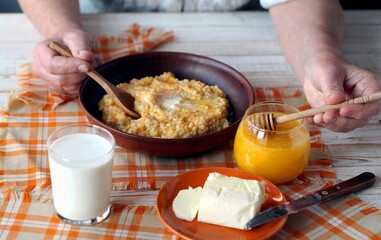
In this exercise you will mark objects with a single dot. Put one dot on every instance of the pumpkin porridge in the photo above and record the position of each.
(169, 108)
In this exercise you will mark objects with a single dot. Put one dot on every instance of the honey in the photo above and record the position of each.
(279, 156)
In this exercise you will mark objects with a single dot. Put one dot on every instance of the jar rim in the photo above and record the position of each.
(251, 124)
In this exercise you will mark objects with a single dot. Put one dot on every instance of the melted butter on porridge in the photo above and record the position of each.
(169, 108)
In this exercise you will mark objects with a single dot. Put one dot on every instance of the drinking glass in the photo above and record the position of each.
(81, 160)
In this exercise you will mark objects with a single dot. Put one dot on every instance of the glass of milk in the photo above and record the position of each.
(81, 159)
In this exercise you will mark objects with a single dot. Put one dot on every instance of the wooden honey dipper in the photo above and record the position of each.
(267, 120)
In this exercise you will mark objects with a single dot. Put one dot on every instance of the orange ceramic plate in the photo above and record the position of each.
(197, 230)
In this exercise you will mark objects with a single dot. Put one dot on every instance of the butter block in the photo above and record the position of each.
(186, 203)
(230, 201)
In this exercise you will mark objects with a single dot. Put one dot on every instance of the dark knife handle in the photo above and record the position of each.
(362, 181)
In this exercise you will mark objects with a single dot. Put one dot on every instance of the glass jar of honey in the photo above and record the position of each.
(280, 155)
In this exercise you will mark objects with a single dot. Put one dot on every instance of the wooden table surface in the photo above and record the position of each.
(244, 40)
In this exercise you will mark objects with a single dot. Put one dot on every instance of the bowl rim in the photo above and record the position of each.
(246, 85)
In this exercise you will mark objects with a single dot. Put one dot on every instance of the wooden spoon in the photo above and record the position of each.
(267, 120)
(122, 99)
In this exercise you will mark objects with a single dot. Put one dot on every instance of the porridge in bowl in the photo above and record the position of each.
(169, 108)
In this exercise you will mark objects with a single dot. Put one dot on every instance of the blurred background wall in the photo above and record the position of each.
(9, 6)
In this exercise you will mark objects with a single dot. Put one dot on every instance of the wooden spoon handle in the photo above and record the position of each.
(60, 48)
(314, 111)
(65, 51)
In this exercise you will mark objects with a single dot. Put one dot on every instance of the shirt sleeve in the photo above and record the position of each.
(269, 3)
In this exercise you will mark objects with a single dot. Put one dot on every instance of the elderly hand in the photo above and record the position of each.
(330, 79)
(64, 74)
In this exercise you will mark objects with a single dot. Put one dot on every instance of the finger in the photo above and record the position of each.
(80, 45)
(359, 111)
(53, 63)
(61, 83)
(354, 111)
(318, 119)
(330, 117)
(333, 121)
(346, 124)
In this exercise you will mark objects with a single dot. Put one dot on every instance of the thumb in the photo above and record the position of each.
(80, 46)
(334, 95)
(333, 90)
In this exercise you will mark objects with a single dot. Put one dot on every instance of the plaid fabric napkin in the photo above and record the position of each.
(26, 206)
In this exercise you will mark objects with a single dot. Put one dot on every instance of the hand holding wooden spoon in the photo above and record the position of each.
(121, 98)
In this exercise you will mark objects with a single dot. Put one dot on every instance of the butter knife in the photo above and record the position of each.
(362, 181)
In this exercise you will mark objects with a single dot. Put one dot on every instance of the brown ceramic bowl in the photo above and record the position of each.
(184, 66)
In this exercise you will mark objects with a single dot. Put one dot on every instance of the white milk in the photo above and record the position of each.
(81, 173)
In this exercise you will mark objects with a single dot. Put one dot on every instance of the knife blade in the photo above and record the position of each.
(361, 181)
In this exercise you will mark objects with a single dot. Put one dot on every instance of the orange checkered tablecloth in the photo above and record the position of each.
(26, 206)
